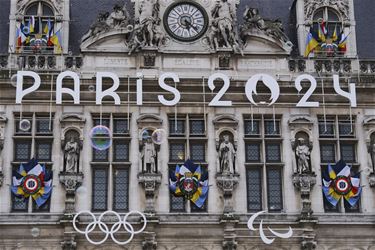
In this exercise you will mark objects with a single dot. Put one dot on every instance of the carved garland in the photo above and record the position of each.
(341, 6)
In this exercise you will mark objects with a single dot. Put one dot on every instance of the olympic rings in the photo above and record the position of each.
(109, 231)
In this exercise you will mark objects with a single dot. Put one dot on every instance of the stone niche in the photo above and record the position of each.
(369, 126)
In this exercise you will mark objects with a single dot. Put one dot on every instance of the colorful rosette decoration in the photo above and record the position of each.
(189, 182)
(32, 179)
(339, 182)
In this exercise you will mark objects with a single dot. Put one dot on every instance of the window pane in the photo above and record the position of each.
(252, 128)
(254, 189)
(197, 152)
(275, 200)
(197, 127)
(99, 189)
(43, 151)
(121, 189)
(327, 129)
(273, 152)
(22, 151)
(179, 130)
(346, 129)
(105, 122)
(327, 153)
(17, 126)
(47, 11)
(19, 204)
(120, 126)
(348, 153)
(253, 152)
(100, 155)
(177, 204)
(177, 152)
(121, 151)
(271, 128)
(43, 126)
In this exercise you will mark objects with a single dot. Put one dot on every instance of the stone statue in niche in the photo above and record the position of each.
(254, 22)
(227, 155)
(222, 31)
(371, 150)
(71, 155)
(303, 152)
(147, 30)
(148, 155)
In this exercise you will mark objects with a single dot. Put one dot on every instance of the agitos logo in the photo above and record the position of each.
(265, 239)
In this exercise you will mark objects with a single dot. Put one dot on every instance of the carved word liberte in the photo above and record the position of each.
(250, 88)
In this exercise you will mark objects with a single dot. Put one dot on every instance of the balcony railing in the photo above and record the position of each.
(40, 62)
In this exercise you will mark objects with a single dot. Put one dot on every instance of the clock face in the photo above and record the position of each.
(186, 21)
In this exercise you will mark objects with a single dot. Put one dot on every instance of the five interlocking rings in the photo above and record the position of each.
(114, 229)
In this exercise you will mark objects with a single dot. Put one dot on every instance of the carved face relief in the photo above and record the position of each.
(186, 21)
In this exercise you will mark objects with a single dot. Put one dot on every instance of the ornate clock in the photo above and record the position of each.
(185, 21)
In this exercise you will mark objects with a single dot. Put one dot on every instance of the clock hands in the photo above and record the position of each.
(189, 24)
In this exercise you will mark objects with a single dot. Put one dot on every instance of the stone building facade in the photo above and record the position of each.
(216, 54)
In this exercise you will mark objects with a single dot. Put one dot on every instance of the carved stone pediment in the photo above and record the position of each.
(56, 4)
(301, 123)
(72, 121)
(341, 6)
(225, 121)
(149, 120)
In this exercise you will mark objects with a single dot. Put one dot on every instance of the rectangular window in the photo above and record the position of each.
(22, 150)
(100, 155)
(177, 204)
(252, 152)
(103, 122)
(176, 129)
(99, 189)
(271, 128)
(19, 204)
(346, 127)
(177, 152)
(121, 189)
(254, 189)
(197, 127)
(120, 126)
(274, 187)
(273, 152)
(348, 154)
(327, 153)
(120, 151)
(198, 152)
(252, 128)
(44, 126)
(326, 129)
(26, 130)
(43, 151)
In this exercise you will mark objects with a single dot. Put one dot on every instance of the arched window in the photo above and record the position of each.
(327, 30)
(38, 27)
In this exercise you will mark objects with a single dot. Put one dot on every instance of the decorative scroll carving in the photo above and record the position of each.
(342, 6)
(254, 23)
